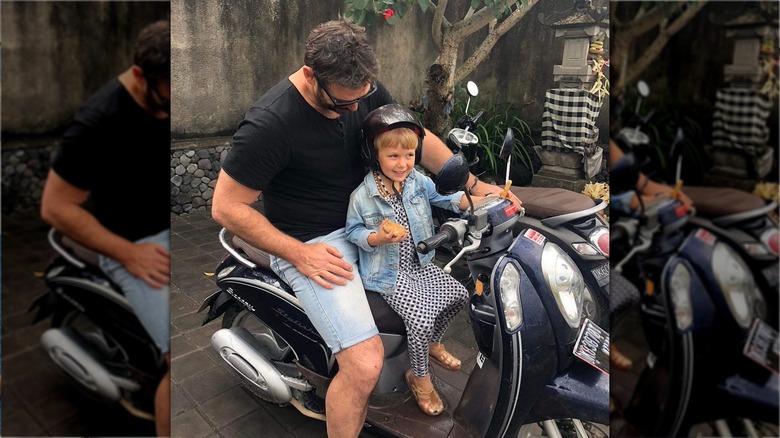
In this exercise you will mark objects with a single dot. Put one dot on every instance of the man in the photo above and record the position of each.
(124, 128)
(299, 146)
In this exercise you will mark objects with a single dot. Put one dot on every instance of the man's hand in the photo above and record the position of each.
(484, 188)
(149, 262)
(324, 264)
(655, 189)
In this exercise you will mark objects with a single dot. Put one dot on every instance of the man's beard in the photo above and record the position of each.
(323, 103)
(154, 105)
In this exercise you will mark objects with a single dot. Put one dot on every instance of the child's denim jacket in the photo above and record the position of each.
(379, 265)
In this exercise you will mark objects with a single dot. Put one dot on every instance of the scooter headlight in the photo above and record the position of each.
(680, 292)
(509, 291)
(565, 281)
(736, 282)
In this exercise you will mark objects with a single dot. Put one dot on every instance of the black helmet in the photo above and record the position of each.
(383, 119)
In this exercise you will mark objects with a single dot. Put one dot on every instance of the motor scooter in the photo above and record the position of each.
(568, 219)
(95, 336)
(712, 360)
(541, 360)
(739, 219)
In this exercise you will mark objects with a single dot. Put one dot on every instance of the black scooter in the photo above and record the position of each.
(739, 219)
(568, 219)
(712, 360)
(95, 336)
(541, 361)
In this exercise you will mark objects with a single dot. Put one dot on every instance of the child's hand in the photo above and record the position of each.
(389, 232)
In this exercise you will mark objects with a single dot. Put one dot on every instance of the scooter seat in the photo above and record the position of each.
(81, 252)
(258, 256)
(715, 202)
(544, 202)
(385, 318)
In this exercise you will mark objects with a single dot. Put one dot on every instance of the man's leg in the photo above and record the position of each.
(152, 307)
(343, 318)
(347, 399)
(162, 402)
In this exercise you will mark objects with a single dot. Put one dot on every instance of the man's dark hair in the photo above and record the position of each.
(339, 52)
(153, 50)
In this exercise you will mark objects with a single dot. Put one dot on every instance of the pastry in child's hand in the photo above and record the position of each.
(391, 227)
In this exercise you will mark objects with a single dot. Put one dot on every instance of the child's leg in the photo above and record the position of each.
(456, 297)
(419, 321)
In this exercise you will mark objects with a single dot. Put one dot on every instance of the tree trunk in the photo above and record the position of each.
(441, 84)
(620, 54)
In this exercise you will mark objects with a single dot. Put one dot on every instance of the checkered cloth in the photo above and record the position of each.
(569, 120)
(740, 120)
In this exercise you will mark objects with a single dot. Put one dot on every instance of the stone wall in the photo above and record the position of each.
(194, 169)
(24, 171)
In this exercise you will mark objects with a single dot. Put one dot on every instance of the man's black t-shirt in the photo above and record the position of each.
(305, 164)
(121, 154)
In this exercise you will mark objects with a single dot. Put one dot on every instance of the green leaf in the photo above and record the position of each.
(388, 2)
(392, 20)
(475, 4)
(423, 4)
(360, 4)
(360, 16)
(400, 9)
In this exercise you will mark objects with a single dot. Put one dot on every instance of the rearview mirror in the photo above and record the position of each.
(453, 175)
(643, 88)
(472, 88)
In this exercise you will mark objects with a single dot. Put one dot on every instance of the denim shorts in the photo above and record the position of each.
(152, 306)
(341, 315)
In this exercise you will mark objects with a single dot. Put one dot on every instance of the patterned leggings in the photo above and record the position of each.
(427, 306)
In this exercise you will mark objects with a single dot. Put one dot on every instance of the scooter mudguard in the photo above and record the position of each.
(738, 397)
(217, 303)
(527, 252)
(514, 366)
(277, 307)
(581, 392)
(60, 276)
(46, 303)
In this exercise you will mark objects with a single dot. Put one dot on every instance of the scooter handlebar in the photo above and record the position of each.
(448, 234)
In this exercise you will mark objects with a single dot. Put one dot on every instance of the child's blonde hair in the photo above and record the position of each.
(403, 136)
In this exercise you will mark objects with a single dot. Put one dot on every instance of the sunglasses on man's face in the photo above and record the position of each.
(338, 103)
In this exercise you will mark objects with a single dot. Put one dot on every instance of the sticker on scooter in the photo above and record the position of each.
(592, 346)
(480, 359)
(705, 236)
(762, 345)
(534, 236)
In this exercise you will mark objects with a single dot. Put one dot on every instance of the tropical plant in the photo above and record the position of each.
(662, 129)
(491, 129)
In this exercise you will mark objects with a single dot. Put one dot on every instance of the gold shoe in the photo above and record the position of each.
(618, 360)
(428, 401)
(443, 357)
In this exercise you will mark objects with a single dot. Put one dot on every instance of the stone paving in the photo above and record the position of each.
(38, 399)
(208, 397)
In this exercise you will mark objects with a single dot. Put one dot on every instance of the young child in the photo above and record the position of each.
(419, 291)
